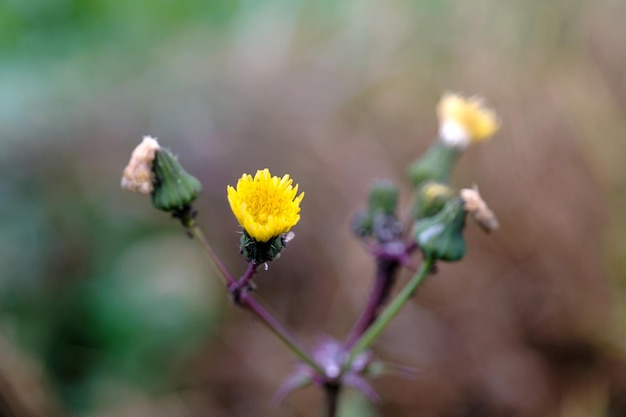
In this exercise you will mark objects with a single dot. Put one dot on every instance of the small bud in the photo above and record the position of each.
(362, 223)
(383, 197)
(174, 188)
(379, 219)
(260, 252)
(479, 210)
(137, 176)
(431, 197)
(440, 236)
(436, 164)
(386, 228)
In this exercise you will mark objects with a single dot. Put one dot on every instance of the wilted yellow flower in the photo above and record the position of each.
(265, 206)
(464, 120)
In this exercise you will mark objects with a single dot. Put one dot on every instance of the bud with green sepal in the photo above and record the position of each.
(383, 197)
(379, 219)
(260, 252)
(431, 197)
(362, 223)
(174, 188)
(440, 237)
(436, 164)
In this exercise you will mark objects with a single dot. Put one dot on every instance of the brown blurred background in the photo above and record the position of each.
(108, 309)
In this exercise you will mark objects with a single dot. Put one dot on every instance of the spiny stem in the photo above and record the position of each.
(389, 313)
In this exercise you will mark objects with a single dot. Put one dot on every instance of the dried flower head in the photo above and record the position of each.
(477, 207)
(465, 120)
(265, 206)
(137, 176)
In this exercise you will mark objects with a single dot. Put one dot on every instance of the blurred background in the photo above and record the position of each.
(107, 308)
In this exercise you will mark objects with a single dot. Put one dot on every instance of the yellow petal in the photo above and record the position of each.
(265, 206)
(478, 121)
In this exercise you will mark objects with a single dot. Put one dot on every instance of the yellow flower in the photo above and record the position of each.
(465, 120)
(265, 206)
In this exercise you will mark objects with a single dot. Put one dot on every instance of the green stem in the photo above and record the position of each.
(390, 312)
(215, 259)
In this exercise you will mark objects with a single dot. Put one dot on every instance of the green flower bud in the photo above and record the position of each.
(431, 197)
(380, 214)
(440, 236)
(362, 223)
(174, 188)
(260, 252)
(383, 197)
(436, 164)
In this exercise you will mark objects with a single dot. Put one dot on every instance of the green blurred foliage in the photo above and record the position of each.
(40, 29)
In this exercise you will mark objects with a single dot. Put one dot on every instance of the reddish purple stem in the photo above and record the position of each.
(247, 302)
(236, 287)
(389, 258)
(384, 280)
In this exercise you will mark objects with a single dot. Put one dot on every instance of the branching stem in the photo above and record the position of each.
(389, 313)
(244, 299)
(385, 277)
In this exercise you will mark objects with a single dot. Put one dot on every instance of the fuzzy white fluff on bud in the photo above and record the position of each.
(138, 176)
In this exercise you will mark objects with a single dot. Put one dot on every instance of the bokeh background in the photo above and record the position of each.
(107, 308)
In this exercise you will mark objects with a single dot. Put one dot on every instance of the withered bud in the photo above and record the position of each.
(477, 207)
(138, 176)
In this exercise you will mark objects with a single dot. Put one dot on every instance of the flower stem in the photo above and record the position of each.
(385, 277)
(239, 290)
(243, 283)
(241, 296)
(372, 333)
(213, 256)
(271, 323)
(332, 399)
